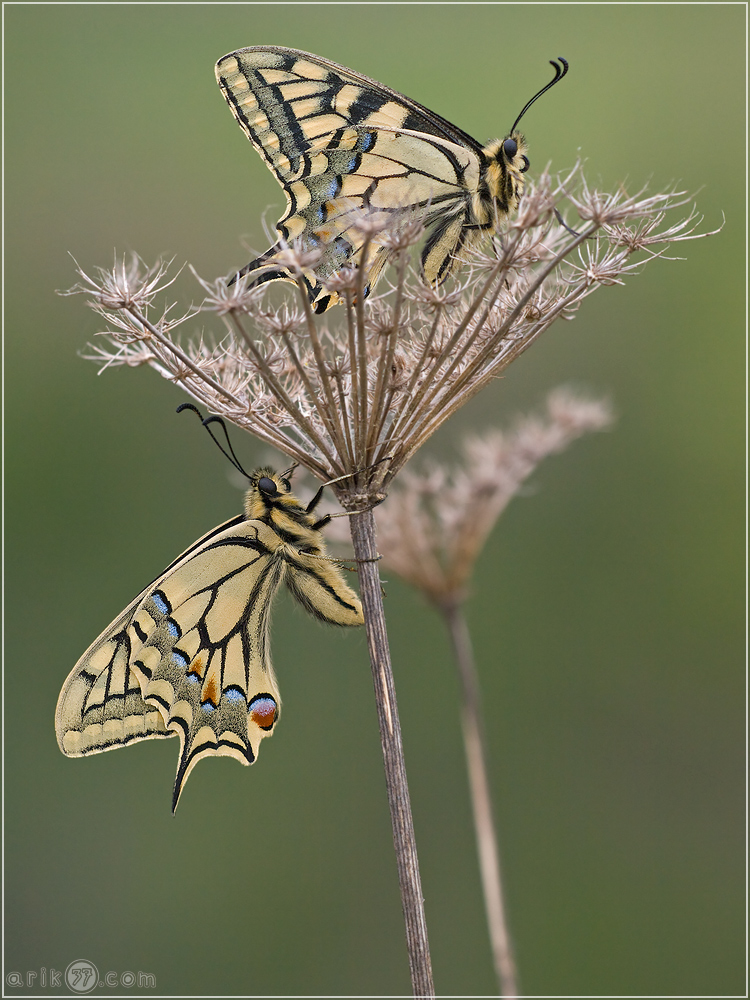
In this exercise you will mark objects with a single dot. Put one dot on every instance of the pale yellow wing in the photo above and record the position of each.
(342, 145)
(189, 656)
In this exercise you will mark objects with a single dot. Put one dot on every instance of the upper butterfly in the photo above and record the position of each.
(340, 143)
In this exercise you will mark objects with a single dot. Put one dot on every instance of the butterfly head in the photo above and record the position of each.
(270, 497)
(505, 163)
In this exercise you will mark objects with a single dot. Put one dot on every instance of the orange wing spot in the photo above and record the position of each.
(264, 711)
(197, 667)
(210, 691)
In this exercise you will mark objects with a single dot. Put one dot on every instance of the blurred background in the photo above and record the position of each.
(607, 610)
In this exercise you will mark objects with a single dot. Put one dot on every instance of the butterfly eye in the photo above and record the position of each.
(266, 485)
(510, 148)
(525, 166)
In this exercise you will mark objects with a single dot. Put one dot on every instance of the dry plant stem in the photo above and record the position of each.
(481, 802)
(175, 350)
(328, 412)
(270, 434)
(424, 428)
(427, 389)
(386, 360)
(361, 353)
(412, 902)
(273, 383)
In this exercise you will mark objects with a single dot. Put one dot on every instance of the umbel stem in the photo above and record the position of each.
(481, 801)
(412, 902)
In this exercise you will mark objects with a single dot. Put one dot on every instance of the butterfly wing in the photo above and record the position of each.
(340, 145)
(188, 656)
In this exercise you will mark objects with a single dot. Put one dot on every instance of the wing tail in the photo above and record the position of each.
(266, 264)
(269, 270)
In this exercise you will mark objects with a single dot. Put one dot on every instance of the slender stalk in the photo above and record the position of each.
(412, 902)
(326, 407)
(481, 801)
(431, 386)
(177, 351)
(382, 396)
(282, 395)
(360, 357)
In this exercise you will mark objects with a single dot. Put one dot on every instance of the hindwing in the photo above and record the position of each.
(189, 657)
(341, 144)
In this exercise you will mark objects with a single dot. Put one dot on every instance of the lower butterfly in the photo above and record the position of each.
(341, 144)
(189, 656)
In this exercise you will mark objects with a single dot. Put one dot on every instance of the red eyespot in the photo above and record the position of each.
(264, 711)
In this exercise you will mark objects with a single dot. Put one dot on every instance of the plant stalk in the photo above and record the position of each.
(412, 901)
(481, 801)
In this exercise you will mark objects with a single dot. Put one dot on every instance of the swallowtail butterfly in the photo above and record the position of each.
(341, 144)
(189, 656)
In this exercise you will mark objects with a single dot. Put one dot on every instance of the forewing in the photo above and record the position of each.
(341, 144)
(196, 645)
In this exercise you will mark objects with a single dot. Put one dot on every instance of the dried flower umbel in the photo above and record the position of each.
(360, 397)
(340, 398)
(433, 527)
(431, 531)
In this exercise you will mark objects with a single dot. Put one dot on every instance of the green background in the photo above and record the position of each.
(607, 609)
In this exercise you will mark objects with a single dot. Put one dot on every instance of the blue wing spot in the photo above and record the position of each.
(162, 604)
(173, 628)
(234, 694)
(366, 141)
(192, 679)
(352, 165)
(208, 706)
(179, 659)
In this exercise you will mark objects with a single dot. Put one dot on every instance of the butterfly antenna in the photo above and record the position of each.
(560, 72)
(217, 420)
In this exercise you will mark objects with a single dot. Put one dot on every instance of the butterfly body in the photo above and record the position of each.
(190, 655)
(342, 146)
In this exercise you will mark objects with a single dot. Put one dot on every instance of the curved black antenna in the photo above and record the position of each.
(559, 74)
(217, 420)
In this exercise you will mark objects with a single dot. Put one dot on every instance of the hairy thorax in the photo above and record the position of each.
(500, 181)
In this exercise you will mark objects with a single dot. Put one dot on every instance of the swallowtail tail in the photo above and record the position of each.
(340, 143)
(189, 656)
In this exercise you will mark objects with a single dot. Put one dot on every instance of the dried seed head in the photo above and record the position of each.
(378, 376)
